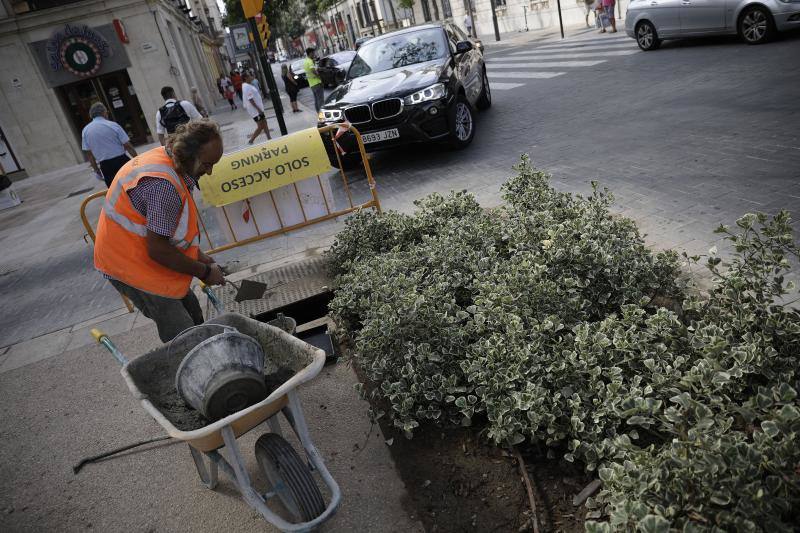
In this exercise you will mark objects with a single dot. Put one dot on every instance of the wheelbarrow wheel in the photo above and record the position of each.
(289, 477)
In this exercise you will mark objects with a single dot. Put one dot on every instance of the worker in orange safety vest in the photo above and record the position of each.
(148, 236)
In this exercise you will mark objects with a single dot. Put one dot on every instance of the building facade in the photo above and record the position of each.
(58, 57)
(350, 19)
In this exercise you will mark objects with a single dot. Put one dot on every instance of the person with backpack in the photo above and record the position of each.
(173, 113)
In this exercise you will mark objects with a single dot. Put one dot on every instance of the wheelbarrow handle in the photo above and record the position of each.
(103, 339)
(212, 297)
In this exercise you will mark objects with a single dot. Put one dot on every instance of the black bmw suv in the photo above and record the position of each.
(417, 84)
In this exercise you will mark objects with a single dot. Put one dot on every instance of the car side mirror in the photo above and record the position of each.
(463, 47)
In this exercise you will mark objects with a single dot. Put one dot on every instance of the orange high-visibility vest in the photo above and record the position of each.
(121, 244)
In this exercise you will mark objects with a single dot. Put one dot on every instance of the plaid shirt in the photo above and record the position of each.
(157, 200)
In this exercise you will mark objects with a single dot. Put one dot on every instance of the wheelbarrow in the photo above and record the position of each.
(289, 477)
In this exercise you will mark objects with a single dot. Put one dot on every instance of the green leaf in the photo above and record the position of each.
(770, 428)
(653, 524)
(597, 527)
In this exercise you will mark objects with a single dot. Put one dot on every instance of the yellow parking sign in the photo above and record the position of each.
(265, 167)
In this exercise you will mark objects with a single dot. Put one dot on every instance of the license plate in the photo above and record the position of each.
(378, 136)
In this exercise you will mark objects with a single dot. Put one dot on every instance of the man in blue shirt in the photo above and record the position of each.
(105, 143)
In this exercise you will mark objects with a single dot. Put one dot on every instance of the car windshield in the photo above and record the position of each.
(297, 66)
(395, 51)
(343, 57)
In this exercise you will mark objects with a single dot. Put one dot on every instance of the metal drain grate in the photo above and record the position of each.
(82, 191)
(285, 285)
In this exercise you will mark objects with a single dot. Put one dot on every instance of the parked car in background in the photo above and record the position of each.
(756, 21)
(299, 72)
(419, 84)
(332, 69)
(282, 57)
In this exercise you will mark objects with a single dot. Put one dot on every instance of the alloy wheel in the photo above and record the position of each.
(645, 36)
(463, 122)
(754, 25)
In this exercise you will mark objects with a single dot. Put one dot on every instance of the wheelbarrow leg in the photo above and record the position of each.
(207, 476)
(274, 425)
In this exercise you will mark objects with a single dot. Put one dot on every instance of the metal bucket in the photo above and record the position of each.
(222, 375)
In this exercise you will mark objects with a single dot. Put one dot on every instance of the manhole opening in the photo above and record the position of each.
(82, 191)
(303, 311)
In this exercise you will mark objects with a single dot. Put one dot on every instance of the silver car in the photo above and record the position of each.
(756, 21)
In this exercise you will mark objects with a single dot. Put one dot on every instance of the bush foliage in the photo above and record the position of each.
(549, 321)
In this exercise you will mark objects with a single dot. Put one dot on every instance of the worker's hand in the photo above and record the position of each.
(215, 275)
(203, 258)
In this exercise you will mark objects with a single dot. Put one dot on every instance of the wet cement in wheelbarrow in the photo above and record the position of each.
(160, 390)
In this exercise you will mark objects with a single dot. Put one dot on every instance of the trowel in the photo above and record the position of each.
(248, 290)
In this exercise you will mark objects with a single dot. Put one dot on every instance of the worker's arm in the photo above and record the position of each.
(165, 254)
(203, 258)
(131, 150)
(92, 161)
(161, 138)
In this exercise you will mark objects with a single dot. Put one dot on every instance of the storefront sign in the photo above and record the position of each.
(266, 167)
(241, 38)
(76, 51)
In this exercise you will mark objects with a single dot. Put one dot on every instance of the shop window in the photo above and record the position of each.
(447, 11)
(26, 6)
(426, 10)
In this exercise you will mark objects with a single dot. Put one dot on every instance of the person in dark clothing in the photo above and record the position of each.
(290, 84)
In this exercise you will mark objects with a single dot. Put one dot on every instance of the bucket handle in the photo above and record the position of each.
(224, 327)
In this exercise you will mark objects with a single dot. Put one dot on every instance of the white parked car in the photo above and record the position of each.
(756, 21)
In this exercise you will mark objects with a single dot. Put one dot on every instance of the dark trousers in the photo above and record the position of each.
(110, 167)
(171, 315)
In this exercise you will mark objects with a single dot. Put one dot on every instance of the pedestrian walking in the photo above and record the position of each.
(197, 101)
(255, 107)
(227, 91)
(589, 7)
(236, 79)
(314, 81)
(608, 9)
(105, 144)
(147, 235)
(290, 84)
(173, 113)
(468, 24)
(220, 87)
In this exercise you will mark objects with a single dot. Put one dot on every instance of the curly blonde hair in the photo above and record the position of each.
(188, 139)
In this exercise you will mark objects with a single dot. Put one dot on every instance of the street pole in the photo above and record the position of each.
(525, 11)
(273, 87)
(560, 21)
(494, 21)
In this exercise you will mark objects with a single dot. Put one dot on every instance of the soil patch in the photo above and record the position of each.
(458, 482)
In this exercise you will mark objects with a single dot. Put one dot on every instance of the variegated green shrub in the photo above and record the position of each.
(542, 321)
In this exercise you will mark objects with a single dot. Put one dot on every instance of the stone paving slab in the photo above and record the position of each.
(61, 409)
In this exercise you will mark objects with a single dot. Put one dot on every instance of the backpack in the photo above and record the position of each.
(172, 116)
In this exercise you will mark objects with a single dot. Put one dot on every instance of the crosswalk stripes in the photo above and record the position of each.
(500, 86)
(546, 64)
(555, 59)
(522, 75)
(572, 55)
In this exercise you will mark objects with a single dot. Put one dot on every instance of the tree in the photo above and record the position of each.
(284, 16)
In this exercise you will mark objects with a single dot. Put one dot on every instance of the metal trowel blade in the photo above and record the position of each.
(250, 290)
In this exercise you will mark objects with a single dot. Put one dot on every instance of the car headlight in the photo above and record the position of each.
(434, 92)
(330, 115)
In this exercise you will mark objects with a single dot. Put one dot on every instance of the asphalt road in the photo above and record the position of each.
(686, 137)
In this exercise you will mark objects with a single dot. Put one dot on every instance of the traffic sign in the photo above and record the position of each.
(251, 7)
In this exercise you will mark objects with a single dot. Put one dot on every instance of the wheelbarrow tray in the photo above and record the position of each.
(281, 350)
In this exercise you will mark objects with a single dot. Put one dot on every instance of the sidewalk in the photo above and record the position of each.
(63, 397)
